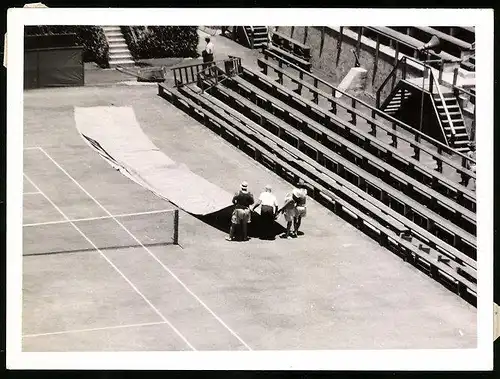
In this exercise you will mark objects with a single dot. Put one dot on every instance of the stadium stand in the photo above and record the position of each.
(397, 184)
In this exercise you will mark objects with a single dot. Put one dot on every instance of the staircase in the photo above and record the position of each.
(451, 105)
(254, 37)
(395, 102)
(119, 54)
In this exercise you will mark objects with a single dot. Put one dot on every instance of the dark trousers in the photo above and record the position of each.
(267, 216)
(207, 58)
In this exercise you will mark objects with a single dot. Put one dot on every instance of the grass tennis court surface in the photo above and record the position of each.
(111, 280)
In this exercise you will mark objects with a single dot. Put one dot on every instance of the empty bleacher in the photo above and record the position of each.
(396, 184)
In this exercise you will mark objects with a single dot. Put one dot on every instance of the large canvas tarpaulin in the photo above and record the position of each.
(115, 133)
(58, 67)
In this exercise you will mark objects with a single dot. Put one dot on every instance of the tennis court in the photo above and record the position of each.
(101, 271)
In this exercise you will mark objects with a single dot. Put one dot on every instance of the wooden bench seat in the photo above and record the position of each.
(413, 42)
(292, 45)
(368, 178)
(301, 62)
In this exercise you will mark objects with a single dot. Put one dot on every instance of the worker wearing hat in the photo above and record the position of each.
(268, 207)
(294, 209)
(242, 200)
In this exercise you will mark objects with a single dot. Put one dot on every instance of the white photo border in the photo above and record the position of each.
(480, 358)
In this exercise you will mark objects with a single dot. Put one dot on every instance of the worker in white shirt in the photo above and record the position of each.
(269, 206)
(208, 52)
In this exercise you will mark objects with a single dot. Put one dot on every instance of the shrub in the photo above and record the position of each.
(91, 38)
(147, 42)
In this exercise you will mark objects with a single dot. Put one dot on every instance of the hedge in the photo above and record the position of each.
(146, 42)
(91, 38)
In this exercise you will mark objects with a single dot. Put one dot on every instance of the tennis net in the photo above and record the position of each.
(132, 230)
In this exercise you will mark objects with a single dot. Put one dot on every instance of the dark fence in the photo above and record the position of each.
(53, 61)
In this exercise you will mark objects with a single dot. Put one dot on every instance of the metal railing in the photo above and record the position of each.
(392, 37)
(215, 74)
(433, 87)
(188, 74)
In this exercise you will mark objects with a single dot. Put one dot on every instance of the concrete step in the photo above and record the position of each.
(114, 34)
(117, 38)
(118, 45)
(118, 50)
(120, 56)
(111, 28)
(122, 62)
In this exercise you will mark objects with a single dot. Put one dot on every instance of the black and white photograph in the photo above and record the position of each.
(293, 187)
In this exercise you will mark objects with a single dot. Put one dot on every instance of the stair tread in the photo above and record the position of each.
(454, 121)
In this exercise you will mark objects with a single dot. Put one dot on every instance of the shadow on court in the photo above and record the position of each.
(221, 220)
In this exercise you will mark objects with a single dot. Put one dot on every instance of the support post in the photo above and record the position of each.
(176, 227)
(322, 40)
(358, 43)
(375, 63)
(339, 45)
(422, 101)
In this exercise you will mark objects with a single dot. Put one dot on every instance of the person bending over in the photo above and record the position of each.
(294, 209)
(269, 206)
(241, 213)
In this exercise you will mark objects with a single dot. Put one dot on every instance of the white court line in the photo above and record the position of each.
(112, 265)
(93, 329)
(98, 218)
(32, 148)
(31, 193)
(150, 253)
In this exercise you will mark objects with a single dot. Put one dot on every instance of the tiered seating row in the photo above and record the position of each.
(291, 45)
(445, 264)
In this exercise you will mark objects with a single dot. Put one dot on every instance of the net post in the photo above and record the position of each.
(176, 227)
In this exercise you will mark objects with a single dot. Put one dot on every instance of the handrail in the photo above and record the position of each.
(395, 38)
(189, 73)
(428, 68)
(448, 117)
(392, 73)
(216, 71)
(247, 36)
(418, 134)
(440, 122)
(196, 64)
